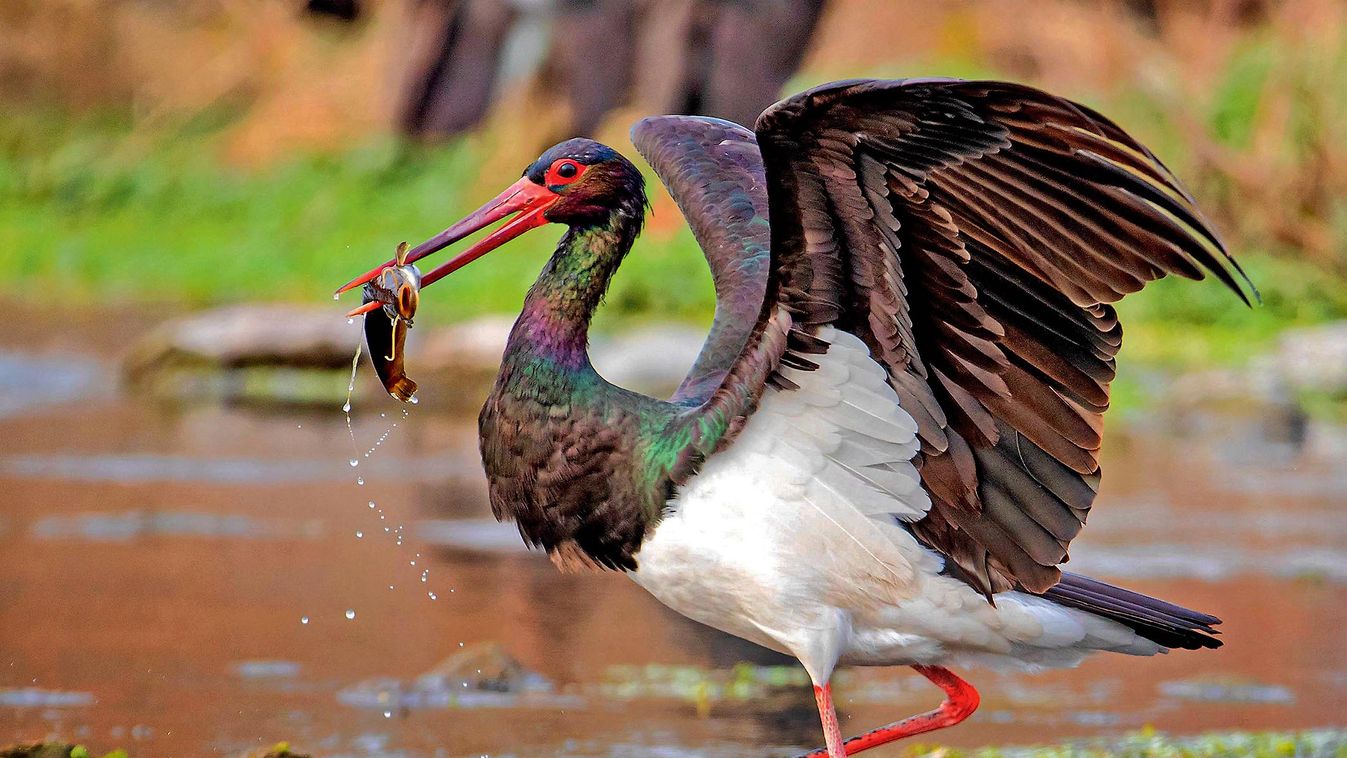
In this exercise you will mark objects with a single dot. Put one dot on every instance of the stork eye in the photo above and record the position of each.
(563, 171)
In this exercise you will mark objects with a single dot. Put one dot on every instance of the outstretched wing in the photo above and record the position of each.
(713, 170)
(973, 235)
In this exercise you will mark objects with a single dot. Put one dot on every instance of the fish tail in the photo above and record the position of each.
(402, 388)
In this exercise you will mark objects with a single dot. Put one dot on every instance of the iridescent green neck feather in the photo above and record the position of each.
(585, 468)
(550, 340)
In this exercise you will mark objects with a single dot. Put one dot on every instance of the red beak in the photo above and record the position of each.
(524, 197)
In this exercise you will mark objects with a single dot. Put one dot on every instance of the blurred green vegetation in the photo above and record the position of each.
(1143, 743)
(1148, 743)
(93, 210)
(90, 212)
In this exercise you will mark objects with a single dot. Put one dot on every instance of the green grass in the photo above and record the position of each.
(86, 215)
(91, 211)
(1145, 743)
(1148, 743)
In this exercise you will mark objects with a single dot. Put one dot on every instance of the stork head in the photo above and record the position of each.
(578, 183)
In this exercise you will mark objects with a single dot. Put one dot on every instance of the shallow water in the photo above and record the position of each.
(159, 564)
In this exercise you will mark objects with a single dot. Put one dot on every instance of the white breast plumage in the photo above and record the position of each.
(793, 538)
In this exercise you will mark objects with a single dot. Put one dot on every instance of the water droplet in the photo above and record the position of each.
(336, 296)
(415, 400)
(350, 614)
(304, 619)
(350, 321)
(460, 644)
(359, 534)
(388, 714)
(347, 406)
(360, 480)
(353, 462)
(371, 505)
(383, 415)
(299, 426)
(433, 596)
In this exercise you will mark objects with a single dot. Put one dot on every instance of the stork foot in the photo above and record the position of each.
(961, 699)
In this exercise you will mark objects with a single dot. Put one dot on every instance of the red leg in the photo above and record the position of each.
(960, 702)
(832, 733)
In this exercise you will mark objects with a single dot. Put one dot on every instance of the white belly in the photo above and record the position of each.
(736, 555)
(792, 539)
(778, 539)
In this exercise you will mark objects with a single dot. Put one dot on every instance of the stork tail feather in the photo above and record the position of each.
(1156, 620)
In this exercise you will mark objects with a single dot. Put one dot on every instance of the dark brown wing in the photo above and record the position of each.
(974, 235)
(713, 170)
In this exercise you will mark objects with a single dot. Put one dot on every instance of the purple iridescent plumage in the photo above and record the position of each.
(713, 170)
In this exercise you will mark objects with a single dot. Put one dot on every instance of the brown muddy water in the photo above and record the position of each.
(184, 581)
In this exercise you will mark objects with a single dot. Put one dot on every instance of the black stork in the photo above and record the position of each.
(892, 432)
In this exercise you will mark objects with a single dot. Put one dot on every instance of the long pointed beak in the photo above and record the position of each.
(524, 197)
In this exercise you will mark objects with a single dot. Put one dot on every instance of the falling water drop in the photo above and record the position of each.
(388, 714)
(371, 505)
(360, 480)
(415, 400)
(350, 614)
(433, 596)
(355, 365)
(350, 388)
(353, 462)
(304, 620)
(359, 534)
(350, 321)
(336, 296)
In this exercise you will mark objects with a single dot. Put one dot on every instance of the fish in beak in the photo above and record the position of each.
(392, 290)
(390, 302)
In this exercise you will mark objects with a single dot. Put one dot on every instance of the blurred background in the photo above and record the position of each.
(202, 554)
